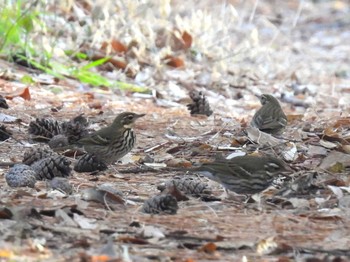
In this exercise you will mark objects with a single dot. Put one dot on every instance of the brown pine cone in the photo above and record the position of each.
(3, 103)
(187, 185)
(75, 129)
(4, 134)
(200, 105)
(89, 163)
(46, 128)
(160, 204)
(36, 153)
(50, 167)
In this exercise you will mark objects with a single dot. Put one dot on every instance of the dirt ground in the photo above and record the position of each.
(297, 51)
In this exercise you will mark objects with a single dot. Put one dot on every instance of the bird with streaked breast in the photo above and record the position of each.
(111, 143)
(270, 118)
(244, 174)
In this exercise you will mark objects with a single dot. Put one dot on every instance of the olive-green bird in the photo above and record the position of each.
(270, 118)
(244, 174)
(111, 143)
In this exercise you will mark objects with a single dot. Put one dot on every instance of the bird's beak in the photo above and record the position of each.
(140, 115)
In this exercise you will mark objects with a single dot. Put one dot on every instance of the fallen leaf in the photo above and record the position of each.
(118, 46)
(335, 157)
(336, 168)
(337, 191)
(262, 138)
(208, 248)
(24, 93)
(84, 222)
(290, 152)
(343, 122)
(291, 118)
(132, 240)
(174, 61)
(328, 144)
(187, 39)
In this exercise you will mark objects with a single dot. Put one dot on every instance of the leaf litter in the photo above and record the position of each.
(227, 53)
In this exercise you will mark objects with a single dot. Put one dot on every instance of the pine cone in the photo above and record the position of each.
(187, 185)
(200, 105)
(20, 176)
(75, 129)
(50, 167)
(160, 204)
(58, 141)
(45, 127)
(34, 154)
(3, 103)
(4, 134)
(89, 163)
(61, 184)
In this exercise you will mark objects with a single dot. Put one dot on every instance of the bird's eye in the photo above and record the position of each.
(263, 99)
(130, 117)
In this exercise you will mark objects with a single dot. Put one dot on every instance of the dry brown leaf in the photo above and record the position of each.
(329, 131)
(133, 240)
(24, 93)
(180, 40)
(343, 122)
(208, 248)
(187, 39)
(100, 258)
(116, 45)
(95, 105)
(174, 61)
(190, 260)
(175, 162)
(292, 118)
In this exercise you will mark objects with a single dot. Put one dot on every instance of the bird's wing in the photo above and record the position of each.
(95, 139)
(269, 122)
(222, 170)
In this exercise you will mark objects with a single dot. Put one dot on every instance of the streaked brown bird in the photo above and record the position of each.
(270, 118)
(244, 174)
(111, 143)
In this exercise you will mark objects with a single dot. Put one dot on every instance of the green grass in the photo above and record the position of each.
(20, 23)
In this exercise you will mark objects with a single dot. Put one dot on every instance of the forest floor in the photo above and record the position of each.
(295, 50)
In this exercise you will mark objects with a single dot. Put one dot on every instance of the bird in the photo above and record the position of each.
(246, 175)
(270, 118)
(111, 143)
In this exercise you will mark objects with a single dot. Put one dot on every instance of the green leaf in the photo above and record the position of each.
(27, 79)
(95, 63)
